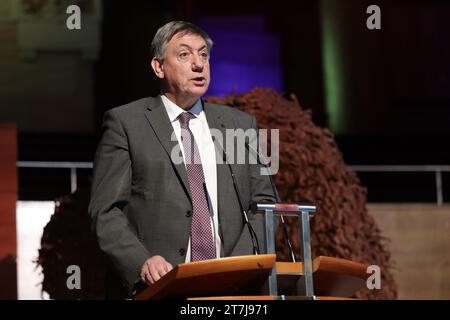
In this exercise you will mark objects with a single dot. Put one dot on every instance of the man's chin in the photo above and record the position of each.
(198, 91)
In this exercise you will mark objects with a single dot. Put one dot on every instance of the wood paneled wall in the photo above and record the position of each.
(419, 242)
(8, 199)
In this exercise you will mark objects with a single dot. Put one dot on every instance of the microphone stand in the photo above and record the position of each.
(253, 236)
(277, 196)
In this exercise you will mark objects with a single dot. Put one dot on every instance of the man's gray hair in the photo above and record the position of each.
(167, 31)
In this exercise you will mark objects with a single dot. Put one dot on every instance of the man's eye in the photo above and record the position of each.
(204, 55)
(183, 55)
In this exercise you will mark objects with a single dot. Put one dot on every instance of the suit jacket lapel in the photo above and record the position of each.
(160, 122)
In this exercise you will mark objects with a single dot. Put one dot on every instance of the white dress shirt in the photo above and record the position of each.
(202, 135)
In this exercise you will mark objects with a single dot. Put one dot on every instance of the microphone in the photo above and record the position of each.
(253, 236)
(275, 192)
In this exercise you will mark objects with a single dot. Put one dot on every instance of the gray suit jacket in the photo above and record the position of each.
(140, 201)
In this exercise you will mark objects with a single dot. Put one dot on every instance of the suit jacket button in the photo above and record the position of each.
(188, 214)
(182, 252)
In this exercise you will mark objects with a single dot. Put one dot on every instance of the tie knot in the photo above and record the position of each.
(185, 117)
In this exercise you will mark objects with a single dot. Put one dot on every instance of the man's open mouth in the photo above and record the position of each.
(199, 80)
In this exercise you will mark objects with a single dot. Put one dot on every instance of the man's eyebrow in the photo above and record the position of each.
(189, 47)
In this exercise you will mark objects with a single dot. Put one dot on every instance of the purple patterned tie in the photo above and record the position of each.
(202, 244)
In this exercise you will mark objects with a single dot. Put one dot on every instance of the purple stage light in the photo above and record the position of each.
(244, 55)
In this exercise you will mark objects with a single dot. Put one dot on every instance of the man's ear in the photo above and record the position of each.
(158, 68)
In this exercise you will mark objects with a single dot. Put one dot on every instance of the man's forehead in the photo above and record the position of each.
(188, 39)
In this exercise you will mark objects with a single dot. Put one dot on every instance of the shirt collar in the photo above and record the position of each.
(174, 111)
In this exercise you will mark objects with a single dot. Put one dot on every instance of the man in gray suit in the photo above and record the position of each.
(151, 212)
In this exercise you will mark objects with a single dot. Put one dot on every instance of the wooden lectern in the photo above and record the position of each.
(217, 277)
(244, 278)
(260, 277)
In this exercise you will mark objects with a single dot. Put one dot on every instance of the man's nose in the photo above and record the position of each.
(197, 63)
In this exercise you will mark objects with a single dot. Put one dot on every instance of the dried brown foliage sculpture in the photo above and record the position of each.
(67, 241)
(312, 170)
